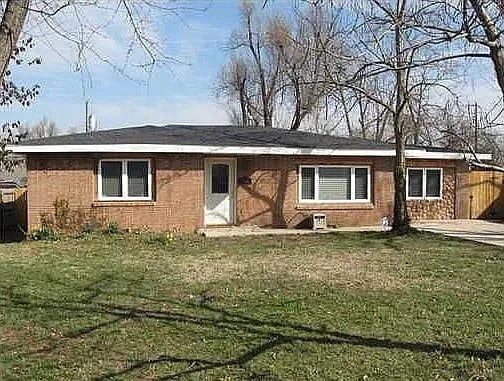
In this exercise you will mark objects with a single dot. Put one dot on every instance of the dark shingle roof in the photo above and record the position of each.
(233, 136)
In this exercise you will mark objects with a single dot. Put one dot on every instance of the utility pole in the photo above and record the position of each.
(476, 126)
(87, 116)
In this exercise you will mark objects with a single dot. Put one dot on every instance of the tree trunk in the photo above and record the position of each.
(265, 97)
(268, 119)
(10, 28)
(493, 36)
(497, 55)
(345, 111)
(243, 104)
(296, 121)
(401, 221)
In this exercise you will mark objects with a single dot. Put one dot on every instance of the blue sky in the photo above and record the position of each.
(173, 93)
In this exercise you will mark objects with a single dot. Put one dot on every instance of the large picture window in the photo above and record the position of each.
(334, 184)
(124, 179)
(424, 183)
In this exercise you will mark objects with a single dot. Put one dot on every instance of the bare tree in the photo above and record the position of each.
(363, 116)
(473, 28)
(234, 85)
(41, 17)
(11, 93)
(387, 45)
(43, 129)
(299, 45)
(251, 77)
(460, 126)
(277, 62)
(264, 63)
(67, 20)
(469, 29)
(13, 19)
(482, 25)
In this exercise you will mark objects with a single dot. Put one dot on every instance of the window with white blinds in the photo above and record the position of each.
(308, 183)
(334, 184)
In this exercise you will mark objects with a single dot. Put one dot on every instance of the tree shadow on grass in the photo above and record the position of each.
(269, 333)
(401, 242)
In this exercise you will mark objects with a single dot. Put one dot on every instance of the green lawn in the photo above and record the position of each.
(349, 306)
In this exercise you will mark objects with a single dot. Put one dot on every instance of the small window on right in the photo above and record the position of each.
(424, 183)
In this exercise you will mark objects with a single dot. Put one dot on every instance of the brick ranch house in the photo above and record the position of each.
(187, 177)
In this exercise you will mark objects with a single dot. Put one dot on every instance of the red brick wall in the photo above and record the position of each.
(178, 191)
(272, 197)
(270, 200)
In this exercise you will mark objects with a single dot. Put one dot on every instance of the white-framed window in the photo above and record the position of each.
(334, 183)
(424, 183)
(124, 179)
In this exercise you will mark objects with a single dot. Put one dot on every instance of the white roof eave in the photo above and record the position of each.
(227, 150)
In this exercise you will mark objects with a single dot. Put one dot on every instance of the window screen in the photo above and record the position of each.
(307, 183)
(220, 178)
(433, 183)
(361, 184)
(334, 183)
(415, 183)
(111, 173)
(138, 184)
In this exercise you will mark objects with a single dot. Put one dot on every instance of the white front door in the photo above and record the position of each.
(219, 191)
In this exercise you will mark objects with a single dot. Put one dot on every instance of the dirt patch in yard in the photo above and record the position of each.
(349, 269)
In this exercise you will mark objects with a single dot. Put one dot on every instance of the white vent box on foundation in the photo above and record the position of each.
(319, 221)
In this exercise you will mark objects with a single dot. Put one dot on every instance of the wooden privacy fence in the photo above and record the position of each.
(486, 197)
(13, 214)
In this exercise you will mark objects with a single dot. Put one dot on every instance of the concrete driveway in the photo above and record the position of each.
(488, 232)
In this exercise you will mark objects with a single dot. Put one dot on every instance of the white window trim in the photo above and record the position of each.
(125, 196)
(424, 184)
(352, 185)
